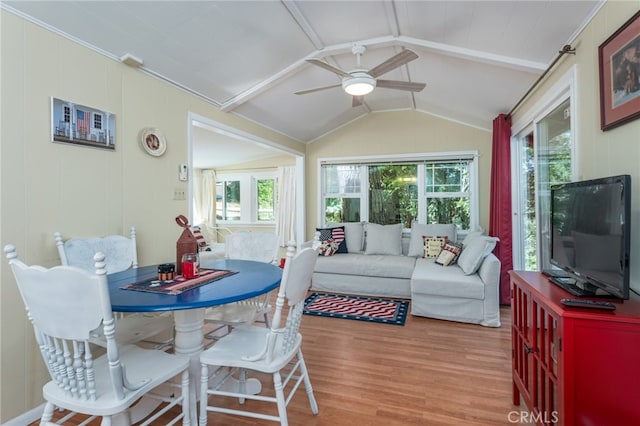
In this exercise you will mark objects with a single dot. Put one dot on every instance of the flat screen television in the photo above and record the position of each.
(591, 234)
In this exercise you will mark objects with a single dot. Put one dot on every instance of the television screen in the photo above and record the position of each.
(590, 232)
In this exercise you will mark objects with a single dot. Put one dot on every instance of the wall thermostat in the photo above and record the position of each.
(183, 173)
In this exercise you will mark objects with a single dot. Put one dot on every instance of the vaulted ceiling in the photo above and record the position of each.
(477, 58)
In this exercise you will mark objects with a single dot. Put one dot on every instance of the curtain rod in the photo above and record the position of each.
(565, 49)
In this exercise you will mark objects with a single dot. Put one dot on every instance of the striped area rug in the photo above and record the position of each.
(386, 311)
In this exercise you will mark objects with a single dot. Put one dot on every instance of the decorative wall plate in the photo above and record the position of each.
(153, 141)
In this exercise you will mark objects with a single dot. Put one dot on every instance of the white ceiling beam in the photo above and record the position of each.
(304, 25)
(475, 55)
(336, 49)
(390, 9)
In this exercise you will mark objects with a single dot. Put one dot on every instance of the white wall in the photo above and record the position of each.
(400, 132)
(79, 191)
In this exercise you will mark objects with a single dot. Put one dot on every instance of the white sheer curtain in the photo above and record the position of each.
(286, 207)
(204, 193)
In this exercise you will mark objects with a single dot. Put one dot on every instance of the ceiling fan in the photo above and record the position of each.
(359, 82)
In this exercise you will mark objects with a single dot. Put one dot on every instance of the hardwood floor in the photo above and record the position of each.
(428, 372)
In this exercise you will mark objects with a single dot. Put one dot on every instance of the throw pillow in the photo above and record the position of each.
(433, 246)
(353, 234)
(195, 230)
(383, 239)
(328, 248)
(474, 253)
(449, 254)
(416, 244)
(471, 235)
(334, 235)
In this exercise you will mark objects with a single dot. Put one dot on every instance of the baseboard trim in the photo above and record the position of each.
(26, 418)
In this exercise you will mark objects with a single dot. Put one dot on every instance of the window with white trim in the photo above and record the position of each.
(246, 198)
(438, 188)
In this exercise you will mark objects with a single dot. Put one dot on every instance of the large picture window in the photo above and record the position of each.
(425, 188)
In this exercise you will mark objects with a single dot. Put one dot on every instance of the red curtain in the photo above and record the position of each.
(500, 201)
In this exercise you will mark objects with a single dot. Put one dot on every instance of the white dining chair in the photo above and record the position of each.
(275, 350)
(245, 245)
(121, 254)
(65, 305)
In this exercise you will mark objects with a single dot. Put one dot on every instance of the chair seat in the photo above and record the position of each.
(140, 364)
(135, 328)
(248, 341)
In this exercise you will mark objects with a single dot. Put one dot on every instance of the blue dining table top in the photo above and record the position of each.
(252, 279)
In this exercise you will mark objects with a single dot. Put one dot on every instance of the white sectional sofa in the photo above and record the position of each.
(380, 262)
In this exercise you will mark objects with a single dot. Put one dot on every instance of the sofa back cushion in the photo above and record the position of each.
(383, 239)
(353, 234)
(474, 252)
(419, 230)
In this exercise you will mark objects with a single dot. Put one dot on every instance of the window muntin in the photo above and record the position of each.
(433, 190)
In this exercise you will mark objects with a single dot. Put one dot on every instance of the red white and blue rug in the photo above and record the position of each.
(371, 309)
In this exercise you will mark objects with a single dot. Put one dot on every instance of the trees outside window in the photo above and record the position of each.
(426, 190)
(247, 198)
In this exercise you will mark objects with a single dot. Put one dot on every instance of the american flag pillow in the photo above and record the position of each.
(336, 235)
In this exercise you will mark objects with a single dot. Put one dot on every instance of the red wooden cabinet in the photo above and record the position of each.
(574, 366)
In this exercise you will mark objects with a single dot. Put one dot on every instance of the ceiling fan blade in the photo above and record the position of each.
(317, 89)
(400, 85)
(326, 66)
(393, 62)
(357, 101)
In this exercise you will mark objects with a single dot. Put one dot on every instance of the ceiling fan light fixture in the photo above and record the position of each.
(359, 85)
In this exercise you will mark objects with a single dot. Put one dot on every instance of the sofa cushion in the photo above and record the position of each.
(449, 254)
(353, 233)
(372, 265)
(418, 230)
(383, 239)
(430, 278)
(474, 253)
(433, 246)
(471, 235)
(332, 240)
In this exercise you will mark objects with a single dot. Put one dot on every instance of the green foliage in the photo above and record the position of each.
(393, 196)
(266, 199)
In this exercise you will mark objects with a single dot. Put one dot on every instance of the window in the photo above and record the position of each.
(266, 199)
(67, 114)
(342, 193)
(246, 198)
(546, 160)
(429, 189)
(228, 200)
(97, 121)
(447, 193)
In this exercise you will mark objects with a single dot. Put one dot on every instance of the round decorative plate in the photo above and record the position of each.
(153, 141)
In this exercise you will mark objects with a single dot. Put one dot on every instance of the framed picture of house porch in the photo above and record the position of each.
(619, 63)
(76, 124)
